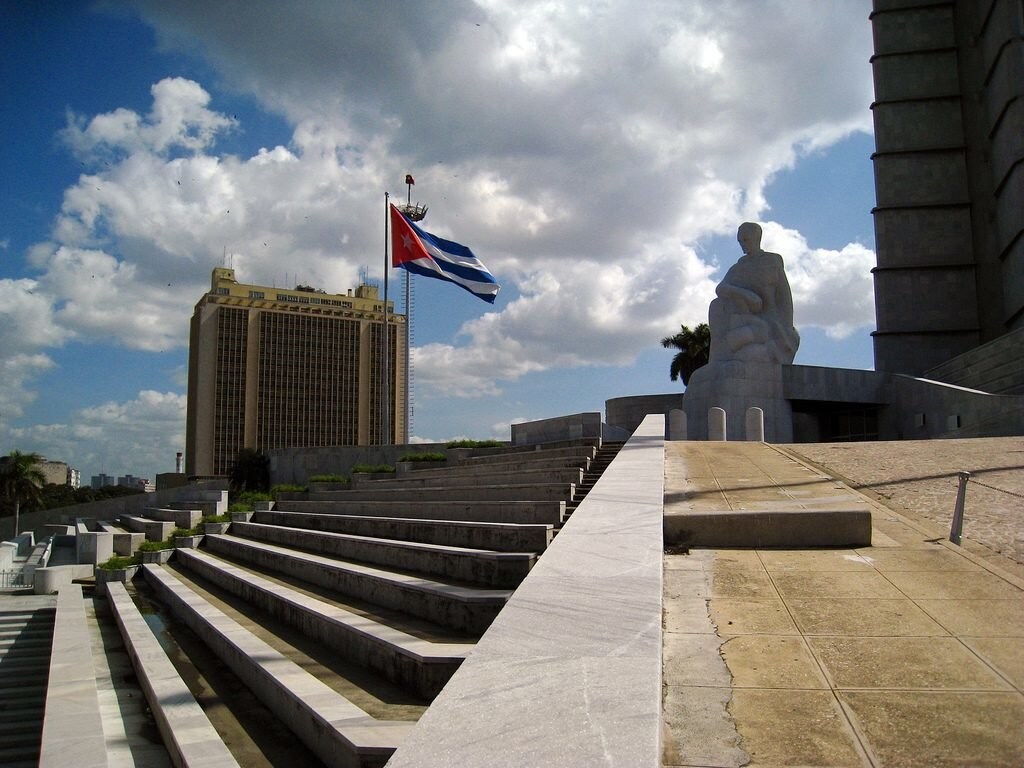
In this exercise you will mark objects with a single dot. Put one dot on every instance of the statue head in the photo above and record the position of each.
(749, 237)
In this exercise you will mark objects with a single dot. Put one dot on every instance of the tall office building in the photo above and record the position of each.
(949, 177)
(273, 368)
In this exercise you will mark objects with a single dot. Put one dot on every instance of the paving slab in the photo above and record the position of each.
(908, 652)
(753, 495)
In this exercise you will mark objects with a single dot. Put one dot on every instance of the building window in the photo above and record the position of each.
(255, 294)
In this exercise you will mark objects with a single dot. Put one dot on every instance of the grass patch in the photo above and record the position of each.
(118, 562)
(156, 546)
(360, 469)
(424, 457)
(475, 444)
(286, 488)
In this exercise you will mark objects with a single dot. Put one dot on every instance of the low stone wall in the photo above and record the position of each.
(72, 725)
(569, 673)
(577, 426)
(297, 465)
(626, 413)
(112, 509)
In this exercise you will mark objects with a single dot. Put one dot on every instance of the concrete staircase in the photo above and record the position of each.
(605, 456)
(344, 614)
(26, 631)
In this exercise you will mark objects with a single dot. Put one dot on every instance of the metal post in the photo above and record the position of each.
(386, 384)
(956, 530)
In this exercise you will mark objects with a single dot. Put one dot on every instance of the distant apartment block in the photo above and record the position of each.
(102, 480)
(273, 368)
(140, 483)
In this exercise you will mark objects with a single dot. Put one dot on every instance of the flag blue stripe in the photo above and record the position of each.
(484, 289)
(453, 262)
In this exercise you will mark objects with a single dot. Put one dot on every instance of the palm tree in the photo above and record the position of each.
(694, 347)
(21, 480)
(251, 471)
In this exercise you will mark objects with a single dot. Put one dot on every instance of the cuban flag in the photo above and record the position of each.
(431, 256)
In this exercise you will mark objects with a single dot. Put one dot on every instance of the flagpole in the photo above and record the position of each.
(386, 389)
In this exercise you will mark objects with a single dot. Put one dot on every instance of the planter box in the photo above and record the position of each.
(292, 496)
(124, 575)
(458, 455)
(215, 527)
(245, 517)
(187, 542)
(361, 479)
(159, 556)
(324, 487)
(405, 467)
(259, 506)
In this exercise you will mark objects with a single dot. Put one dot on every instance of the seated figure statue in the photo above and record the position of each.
(752, 318)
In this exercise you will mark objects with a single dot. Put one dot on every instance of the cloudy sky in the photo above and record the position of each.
(596, 155)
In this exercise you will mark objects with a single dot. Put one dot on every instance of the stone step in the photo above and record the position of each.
(489, 478)
(501, 537)
(155, 530)
(181, 517)
(336, 730)
(524, 512)
(532, 454)
(510, 492)
(477, 566)
(454, 605)
(184, 727)
(126, 542)
(412, 662)
(496, 469)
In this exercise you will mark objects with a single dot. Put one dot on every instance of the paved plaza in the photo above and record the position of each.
(906, 653)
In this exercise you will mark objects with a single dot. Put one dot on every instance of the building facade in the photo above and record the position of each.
(949, 177)
(271, 368)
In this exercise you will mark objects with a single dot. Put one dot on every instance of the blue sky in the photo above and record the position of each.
(597, 157)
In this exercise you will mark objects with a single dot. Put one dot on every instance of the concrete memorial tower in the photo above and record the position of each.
(752, 337)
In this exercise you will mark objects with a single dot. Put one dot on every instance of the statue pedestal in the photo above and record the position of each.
(735, 386)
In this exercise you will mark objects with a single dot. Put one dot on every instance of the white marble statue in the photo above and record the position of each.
(752, 318)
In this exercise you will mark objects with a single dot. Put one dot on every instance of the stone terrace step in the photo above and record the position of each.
(458, 606)
(477, 566)
(491, 469)
(491, 477)
(336, 730)
(509, 492)
(125, 542)
(531, 454)
(155, 530)
(525, 512)
(182, 518)
(414, 663)
(502, 537)
(26, 636)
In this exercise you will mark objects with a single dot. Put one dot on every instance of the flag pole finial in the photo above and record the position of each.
(413, 212)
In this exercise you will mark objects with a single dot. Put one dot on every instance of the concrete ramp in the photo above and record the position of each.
(733, 494)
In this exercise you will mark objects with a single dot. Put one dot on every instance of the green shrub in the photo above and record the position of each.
(226, 518)
(372, 468)
(155, 546)
(286, 488)
(239, 507)
(117, 562)
(474, 444)
(187, 531)
(328, 479)
(424, 457)
(249, 497)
